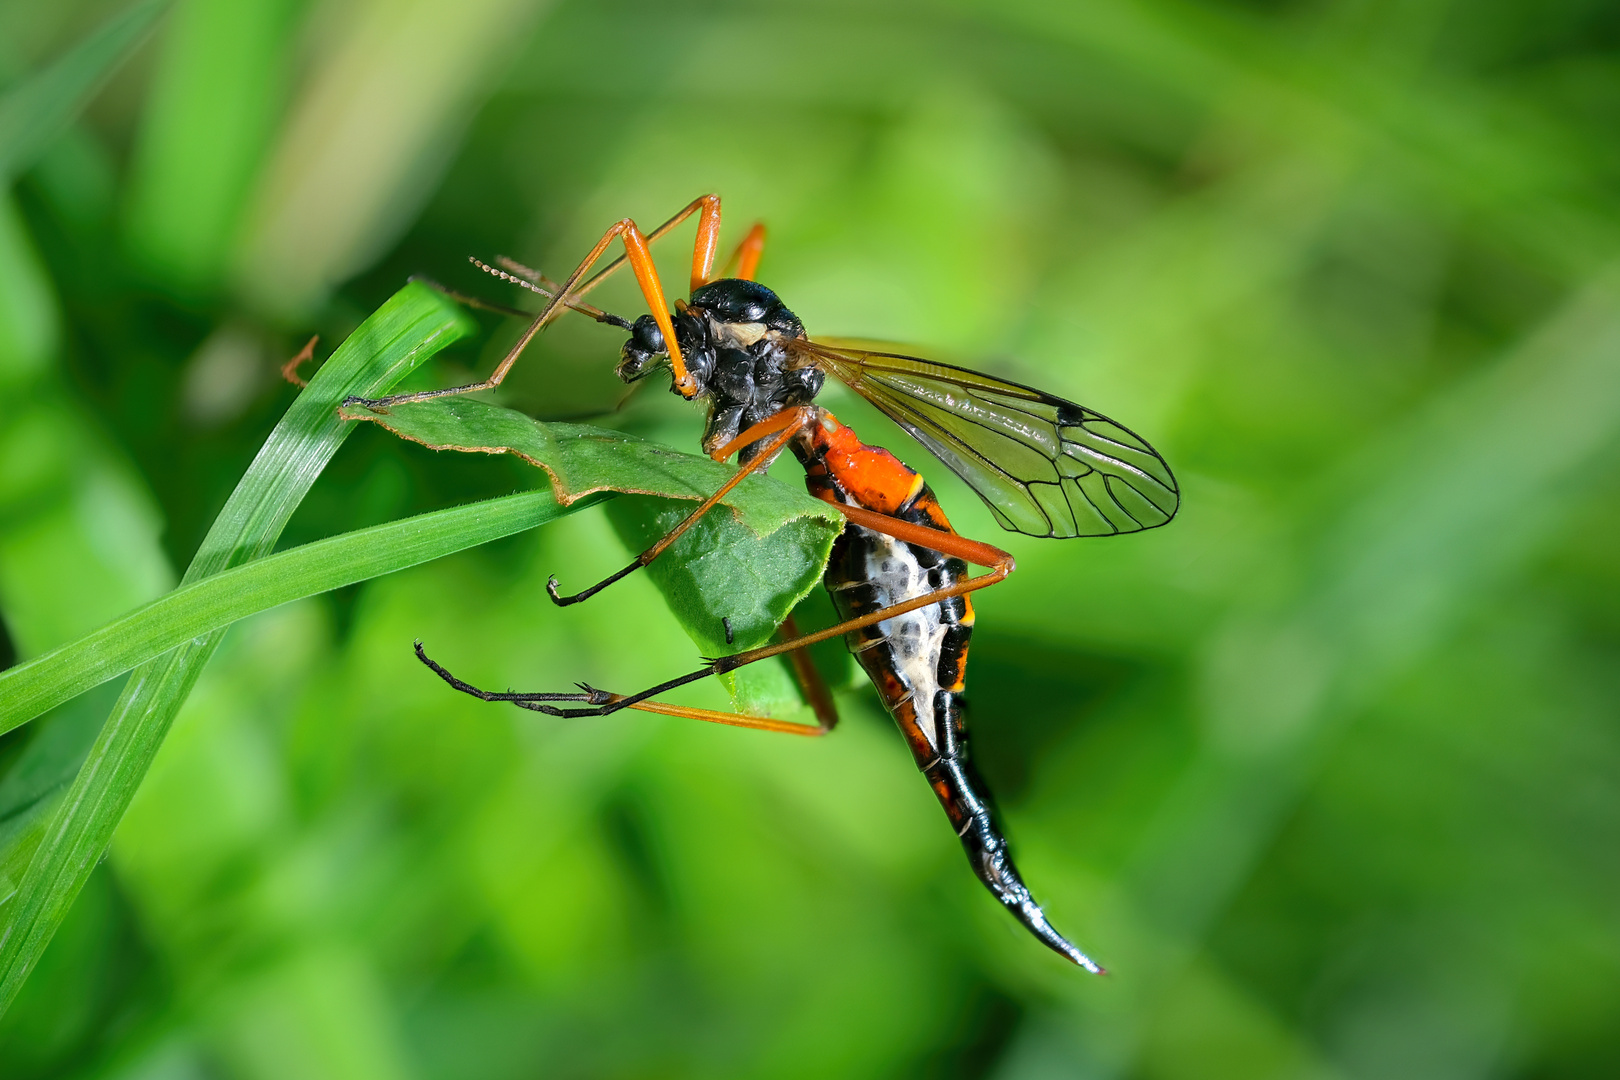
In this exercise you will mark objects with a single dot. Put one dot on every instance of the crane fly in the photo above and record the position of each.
(898, 573)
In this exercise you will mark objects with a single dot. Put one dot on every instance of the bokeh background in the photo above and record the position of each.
(1327, 771)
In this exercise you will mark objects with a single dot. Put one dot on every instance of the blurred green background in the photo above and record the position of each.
(1327, 772)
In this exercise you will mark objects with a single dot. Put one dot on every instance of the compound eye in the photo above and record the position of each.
(645, 335)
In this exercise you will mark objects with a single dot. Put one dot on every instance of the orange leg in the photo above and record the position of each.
(289, 370)
(602, 703)
(640, 259)
(816, 693)
(788, 422)
(742, 720)
(708, 239)
(974, 551)
(533, 702)
(745, 259)
(707, 207)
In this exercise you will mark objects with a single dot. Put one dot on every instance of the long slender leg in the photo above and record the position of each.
(502, 309)
(824, 724)
(535, 282)
(745, 260)
(707, 207)
(289, 370)
(640, 259)
(708, 239)
(788, 423)
(635, 245)
(477, 302)
(603, 703)
(742, 720)
(816, 691)
(817, 694)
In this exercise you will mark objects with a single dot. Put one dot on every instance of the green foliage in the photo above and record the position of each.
(215, 602)
(207, 126)
(35, 111)
(1324, 770)
(717, 570)
(750, 564)
(786, 532)
(409, 328)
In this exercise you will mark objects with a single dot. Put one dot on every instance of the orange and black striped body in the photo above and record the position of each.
(917, 660)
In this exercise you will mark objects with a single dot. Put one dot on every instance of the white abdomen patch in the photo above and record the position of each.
(915, 637)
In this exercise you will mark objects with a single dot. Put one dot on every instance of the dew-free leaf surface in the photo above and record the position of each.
(748, 562)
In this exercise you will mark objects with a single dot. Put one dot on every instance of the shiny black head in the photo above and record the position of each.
(734, 341)
(644, 349)
(746, 303)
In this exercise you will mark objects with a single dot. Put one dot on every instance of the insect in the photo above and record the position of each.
(898, 574)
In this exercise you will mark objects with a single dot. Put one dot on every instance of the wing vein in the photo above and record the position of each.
(1007, 441)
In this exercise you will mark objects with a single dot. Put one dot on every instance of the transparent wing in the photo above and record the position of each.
(1045, 466)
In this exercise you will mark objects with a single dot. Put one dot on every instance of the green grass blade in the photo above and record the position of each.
(34, 112)
(216, 601)
(415, 323)
(36, 779)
